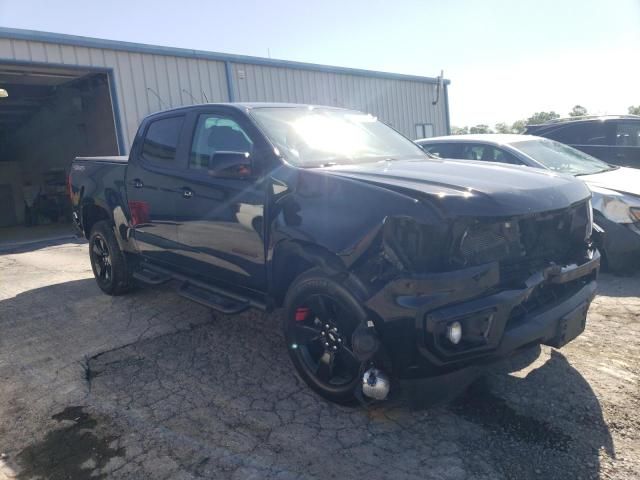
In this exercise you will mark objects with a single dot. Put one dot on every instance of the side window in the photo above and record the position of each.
(473, 152)
(502, 156)
(488, 153)
(569, 134)
(593, 133)
(442, 150)
(161, 140)
(628, 134)
(214, 136)
(583, 133)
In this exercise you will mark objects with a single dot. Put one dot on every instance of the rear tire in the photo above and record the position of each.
(320, 316)
(108, 263)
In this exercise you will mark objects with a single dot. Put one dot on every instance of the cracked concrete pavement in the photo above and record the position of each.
(150, 385)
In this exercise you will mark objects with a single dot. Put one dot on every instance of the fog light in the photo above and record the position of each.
(454, 332)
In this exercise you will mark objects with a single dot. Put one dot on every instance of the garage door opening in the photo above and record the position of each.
(48, 116)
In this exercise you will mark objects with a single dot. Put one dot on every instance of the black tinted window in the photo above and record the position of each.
(442, 150)
(502, 156)
(584, 133)
(161, 141)
(474, 152)
(215, 134)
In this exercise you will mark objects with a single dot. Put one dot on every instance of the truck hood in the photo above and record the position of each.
(623, 180)
(472, 188)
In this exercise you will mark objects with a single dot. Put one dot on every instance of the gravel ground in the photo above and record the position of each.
(150, 385)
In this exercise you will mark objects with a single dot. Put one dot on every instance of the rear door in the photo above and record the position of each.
(221, 209)
(157, 159)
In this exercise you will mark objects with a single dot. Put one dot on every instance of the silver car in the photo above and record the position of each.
(616, 190)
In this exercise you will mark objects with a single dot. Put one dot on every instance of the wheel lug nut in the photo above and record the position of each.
(339, 340)
(323, 333)
(326, 325)
(326, 344)
(335, 348)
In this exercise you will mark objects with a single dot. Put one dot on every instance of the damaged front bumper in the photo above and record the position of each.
(549, 308)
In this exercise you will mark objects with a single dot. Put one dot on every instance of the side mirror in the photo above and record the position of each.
(230, 164)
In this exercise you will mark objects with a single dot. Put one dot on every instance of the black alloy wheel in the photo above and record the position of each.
(108, 263)
(321, 318)
(101, 259)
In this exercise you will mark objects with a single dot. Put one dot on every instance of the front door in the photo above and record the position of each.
(221, 209)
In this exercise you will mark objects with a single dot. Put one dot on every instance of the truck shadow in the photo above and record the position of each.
(610, 285)
(552, 414)
(227, 386)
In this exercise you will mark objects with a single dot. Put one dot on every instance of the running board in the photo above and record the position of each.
(216, 301)
(212, 296)
(150, 277)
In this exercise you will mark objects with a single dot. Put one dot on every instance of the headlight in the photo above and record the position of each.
(589, 229)
(615, 206)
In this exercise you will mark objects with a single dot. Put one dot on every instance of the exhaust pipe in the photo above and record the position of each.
(375, 384)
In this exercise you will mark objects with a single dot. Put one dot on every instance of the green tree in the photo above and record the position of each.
(541, 117)
(481, 128)
(459, 130)
(634, 110)
(502, 128)
(518, 126)
(578, 111)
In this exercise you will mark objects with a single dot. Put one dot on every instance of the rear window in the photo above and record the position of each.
(161, 140)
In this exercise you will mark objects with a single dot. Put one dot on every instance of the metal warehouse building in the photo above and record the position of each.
(71, 96)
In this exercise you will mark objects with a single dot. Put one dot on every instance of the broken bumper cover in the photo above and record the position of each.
(548, 308)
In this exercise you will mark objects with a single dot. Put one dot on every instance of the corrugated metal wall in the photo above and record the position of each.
(147, 82)
(400, 103)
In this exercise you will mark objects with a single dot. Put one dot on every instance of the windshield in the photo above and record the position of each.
(561, 158)
(313, 137)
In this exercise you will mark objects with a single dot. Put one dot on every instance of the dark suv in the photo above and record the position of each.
(614, 139)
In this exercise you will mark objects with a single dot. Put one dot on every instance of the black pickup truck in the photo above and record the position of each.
(390, 265)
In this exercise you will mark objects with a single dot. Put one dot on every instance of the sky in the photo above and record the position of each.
(505, 59)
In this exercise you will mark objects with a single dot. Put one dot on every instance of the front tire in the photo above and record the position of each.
(107, 260)
(319, 320)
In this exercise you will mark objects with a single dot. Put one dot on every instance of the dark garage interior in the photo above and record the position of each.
(47, 117)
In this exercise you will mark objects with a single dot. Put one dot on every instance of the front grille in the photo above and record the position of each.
(479, 242)
(484, 243)
(523, 245)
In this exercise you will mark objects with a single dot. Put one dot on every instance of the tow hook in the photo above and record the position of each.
(365, 343)
(375, 384)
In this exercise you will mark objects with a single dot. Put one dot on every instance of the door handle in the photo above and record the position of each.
(187, 193)
(137, 183)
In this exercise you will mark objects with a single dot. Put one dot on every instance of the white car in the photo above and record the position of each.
(616, 190)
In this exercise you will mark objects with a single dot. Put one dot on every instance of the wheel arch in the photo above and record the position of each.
(91, 214)
(292, 258)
